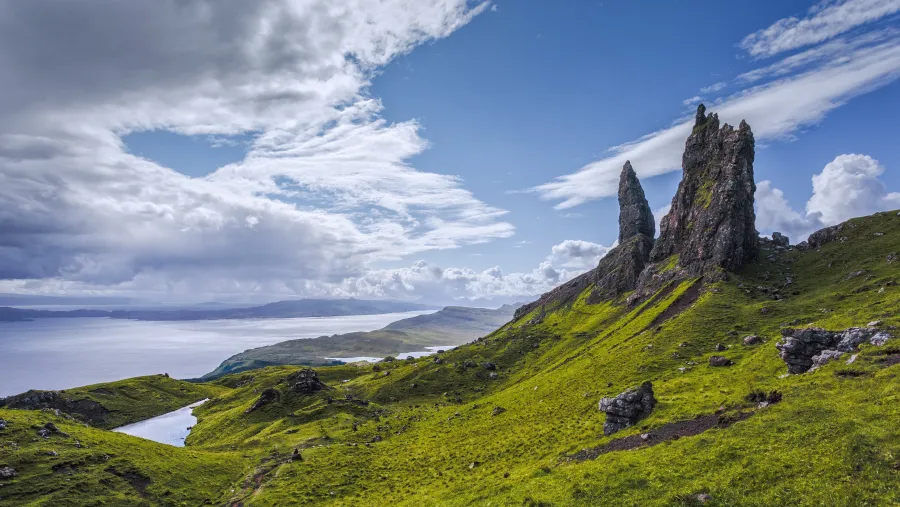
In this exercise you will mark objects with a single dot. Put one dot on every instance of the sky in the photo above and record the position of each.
(443, 151)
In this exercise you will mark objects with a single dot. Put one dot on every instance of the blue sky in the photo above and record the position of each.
(466, 154)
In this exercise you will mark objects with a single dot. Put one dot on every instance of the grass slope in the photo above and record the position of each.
(431, 432)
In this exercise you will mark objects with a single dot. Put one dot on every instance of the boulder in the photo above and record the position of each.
(489, 366)
(780, 239)
(498, 410)
(305, 381)
(720, 361)
(7, 472)
(3, 424)
(799, 348)
(627, 408)
(752, 340)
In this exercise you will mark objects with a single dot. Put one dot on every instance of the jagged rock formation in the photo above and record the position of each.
(710, 227)
(618, 271)
(803, 349)
(635, 216)
(627, 408)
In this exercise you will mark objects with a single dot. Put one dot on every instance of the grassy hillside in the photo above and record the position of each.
(451, 326)
(525, 429)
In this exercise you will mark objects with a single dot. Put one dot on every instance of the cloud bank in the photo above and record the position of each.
(325, 190)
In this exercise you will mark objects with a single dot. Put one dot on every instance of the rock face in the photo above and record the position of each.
(627, 408)
(780, 239)
(267, 397)
(711, 224)
(803, 349)
(635, 216)
(618, 271)
(89, 410)
(305, 381)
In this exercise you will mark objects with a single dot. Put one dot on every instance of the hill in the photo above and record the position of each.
(449, 327)
(728, 373)
(277, 310)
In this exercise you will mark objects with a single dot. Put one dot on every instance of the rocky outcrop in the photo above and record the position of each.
(90, 411)
(7, 473)
(627, 408)
(267, 397)
(635, 217)
(305, 381)
(804, 349)
(711, 224)
(829, 235)
(618, 271)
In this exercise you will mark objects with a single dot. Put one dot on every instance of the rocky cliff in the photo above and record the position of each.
(710, 228)
(618, 271)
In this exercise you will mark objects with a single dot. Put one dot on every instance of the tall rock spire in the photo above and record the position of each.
(710, 226)
(635, 216)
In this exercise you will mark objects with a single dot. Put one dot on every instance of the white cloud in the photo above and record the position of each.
(823, 21)
(847, 187)
(692, 101)
(715, 87)
(774, 110)
(324, 192)
(433, 283)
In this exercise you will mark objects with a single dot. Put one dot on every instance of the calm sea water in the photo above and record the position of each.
(63, 353)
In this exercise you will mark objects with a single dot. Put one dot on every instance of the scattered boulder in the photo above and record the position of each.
(3, 424)
(802, 349)
(780, 239)
(7, 473)
(389, 359)
(720, 347)
(720, 361)
(874, 323)
(305, 381)
(627, 408)
(50, 429)
(268, 396)
(492, 376)
(752, 340)
(489, 366)
(498, 410)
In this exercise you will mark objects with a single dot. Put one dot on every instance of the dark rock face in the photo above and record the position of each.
(635, 216)
(808, 348)
(780, 239)
(711, 225)
(305, 381)
(619, 270)
(267, 397)
(829, 235)
(91, 411)
(627, 408)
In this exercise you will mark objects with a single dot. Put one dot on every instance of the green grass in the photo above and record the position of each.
(428, 436)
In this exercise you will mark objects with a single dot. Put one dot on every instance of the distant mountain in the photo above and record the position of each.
(277, 310)
(452, 326)
(33, 300)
